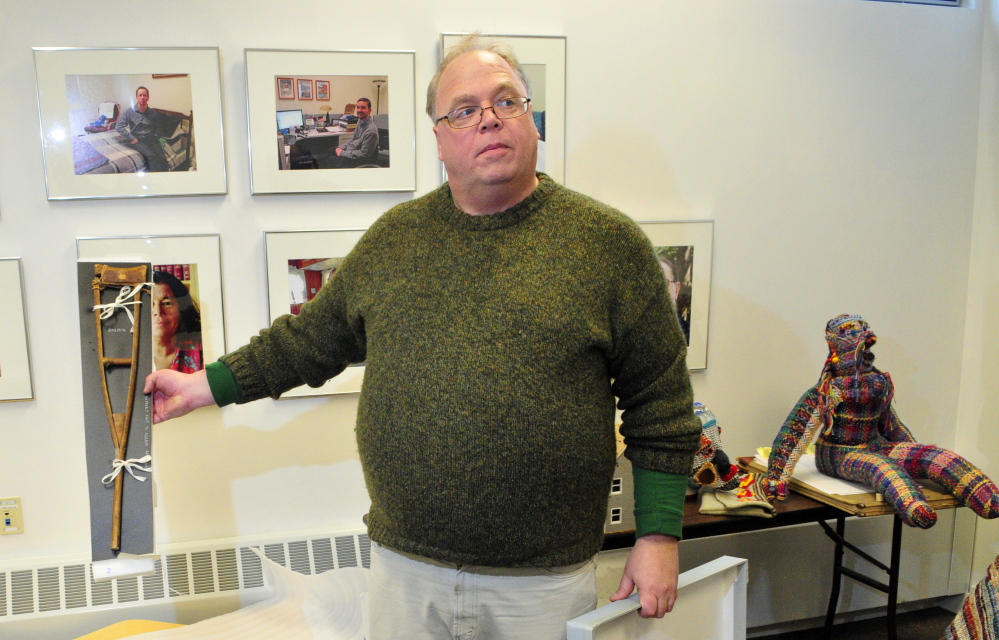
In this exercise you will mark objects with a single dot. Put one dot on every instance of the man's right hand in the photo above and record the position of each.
(133, 141)
(176, 394)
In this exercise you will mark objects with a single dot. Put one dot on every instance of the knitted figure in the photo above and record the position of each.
(747, 499)
(862, 439)
(712, 468)
(978, 618)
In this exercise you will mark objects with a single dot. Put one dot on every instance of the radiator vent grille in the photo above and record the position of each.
(51, 590)
(322, 555)
(100, 592)
(48, 589)
(22, 598)
(275, 553)
(346, 556)
(364, 550)
(177, 575)
(74, 580)
(298, 552)
(228, 573)
(128, 589)
(253, 574)
(201, 567)
(152, 585)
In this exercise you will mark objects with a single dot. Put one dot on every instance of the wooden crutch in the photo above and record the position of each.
(106, 276)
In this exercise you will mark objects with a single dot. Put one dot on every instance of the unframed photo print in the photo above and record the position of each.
(312, 133)
(111, 143)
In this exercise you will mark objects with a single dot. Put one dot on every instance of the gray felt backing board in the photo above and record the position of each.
(137, 499)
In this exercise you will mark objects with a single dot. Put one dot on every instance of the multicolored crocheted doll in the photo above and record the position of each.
(862, 439)
(712, 468)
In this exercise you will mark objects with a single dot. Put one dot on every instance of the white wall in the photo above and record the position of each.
(834, 143)
(978, 419)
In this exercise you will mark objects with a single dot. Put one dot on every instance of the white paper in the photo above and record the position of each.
(123, 568)
(806, 472)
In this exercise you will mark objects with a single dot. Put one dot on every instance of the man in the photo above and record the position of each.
(499, 316)
(141, 125)
(362, 148)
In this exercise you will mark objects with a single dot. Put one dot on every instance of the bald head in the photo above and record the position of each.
(472, 42)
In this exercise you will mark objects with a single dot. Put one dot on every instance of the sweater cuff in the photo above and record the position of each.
(658, 502)
(225, 389)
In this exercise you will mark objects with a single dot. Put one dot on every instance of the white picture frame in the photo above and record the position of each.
(281, 248)
(268, 172)
(201, 250)
(696, 282)
(15, 353)
(710, 603)
(549, 51)
(60, 120)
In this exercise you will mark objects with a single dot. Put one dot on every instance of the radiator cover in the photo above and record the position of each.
(192, 581)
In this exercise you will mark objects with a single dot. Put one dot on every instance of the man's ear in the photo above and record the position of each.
(440, 156)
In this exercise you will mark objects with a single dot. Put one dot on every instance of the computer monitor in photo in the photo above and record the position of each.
(288, 119)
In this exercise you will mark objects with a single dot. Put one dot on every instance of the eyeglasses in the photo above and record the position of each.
(464, 117)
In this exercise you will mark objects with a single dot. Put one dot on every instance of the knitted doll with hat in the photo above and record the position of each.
(725, 490)
(712, 468)
(862, 439)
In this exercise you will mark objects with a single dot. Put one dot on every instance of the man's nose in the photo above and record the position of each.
(493, 121)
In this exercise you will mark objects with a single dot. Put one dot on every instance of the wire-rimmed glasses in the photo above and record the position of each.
(464, 117)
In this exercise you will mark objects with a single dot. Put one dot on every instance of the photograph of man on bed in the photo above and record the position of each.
(116, 130)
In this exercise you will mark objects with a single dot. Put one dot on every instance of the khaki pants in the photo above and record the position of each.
(414, 598)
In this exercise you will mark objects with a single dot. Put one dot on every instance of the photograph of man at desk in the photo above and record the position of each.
(312, 135)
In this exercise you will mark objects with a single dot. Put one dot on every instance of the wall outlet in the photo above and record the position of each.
(11, 520)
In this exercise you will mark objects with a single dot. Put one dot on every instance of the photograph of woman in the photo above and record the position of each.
(678, 266)
(176, 325)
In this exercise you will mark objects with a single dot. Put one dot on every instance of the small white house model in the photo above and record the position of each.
(621, 504)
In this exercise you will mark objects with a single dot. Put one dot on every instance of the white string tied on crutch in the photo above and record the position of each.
(131, 465)
(121, 302)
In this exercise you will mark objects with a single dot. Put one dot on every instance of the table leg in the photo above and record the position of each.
(837, 577)
(839, 572)
(896, 555)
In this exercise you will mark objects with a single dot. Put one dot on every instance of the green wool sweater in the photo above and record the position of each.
(495, 346)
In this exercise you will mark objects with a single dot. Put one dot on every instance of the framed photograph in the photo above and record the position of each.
(294, 145)
(188, 318)
(299, 263)
(304, 89)
(286, 88)
(322, 89)
(112, 127)
(684, 253)
(543, 59)
(15, 357)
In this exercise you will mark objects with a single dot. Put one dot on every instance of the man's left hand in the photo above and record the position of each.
(652, 567)
(339, 151)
